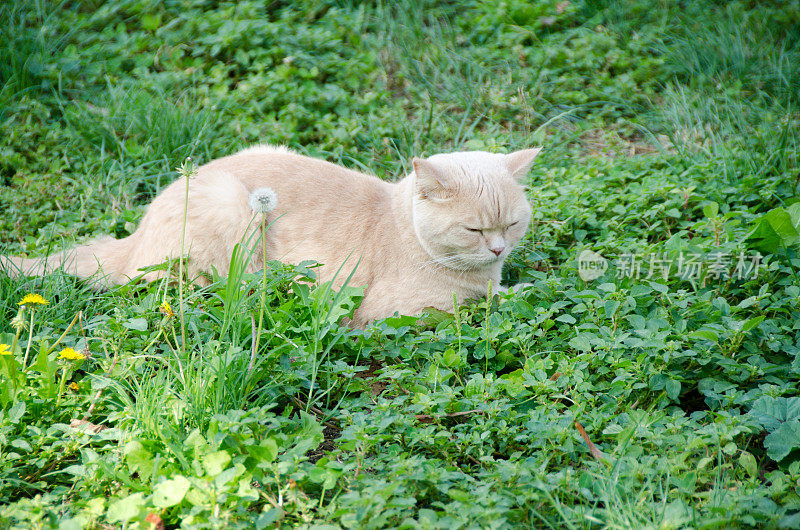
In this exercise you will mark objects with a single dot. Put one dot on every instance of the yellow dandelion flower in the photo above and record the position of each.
(32, 299)
(74, 386)
(71, 355)
(166, 309)
(5, 349)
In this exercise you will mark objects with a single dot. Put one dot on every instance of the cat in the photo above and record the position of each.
(443, 230)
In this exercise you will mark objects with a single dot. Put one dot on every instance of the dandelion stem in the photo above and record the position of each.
(30, 340)
(254, 344)
(150, 344)
(177, 357)
(61, 384)
(263, 290)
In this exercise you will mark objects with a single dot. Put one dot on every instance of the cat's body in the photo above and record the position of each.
(443, 230)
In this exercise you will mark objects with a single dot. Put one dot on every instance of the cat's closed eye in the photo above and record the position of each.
(480, 230)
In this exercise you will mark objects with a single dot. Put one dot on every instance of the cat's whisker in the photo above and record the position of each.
(435, 264)
(439, 262)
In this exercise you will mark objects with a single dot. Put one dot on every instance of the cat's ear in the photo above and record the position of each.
(520, 162)
(431, 182)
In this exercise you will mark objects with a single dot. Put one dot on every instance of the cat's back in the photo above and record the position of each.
(300, 179)
(324, 211)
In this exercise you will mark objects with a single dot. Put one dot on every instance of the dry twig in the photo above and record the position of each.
(597, 453)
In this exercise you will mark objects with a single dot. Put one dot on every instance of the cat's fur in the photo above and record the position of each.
(444, 229)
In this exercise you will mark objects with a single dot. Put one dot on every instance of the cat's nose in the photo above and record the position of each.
(497, 250)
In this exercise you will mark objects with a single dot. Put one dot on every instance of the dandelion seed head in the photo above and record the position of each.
(187, 168)
(17, 322)
(263, 200)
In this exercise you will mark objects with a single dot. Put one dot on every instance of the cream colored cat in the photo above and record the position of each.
(446, 228)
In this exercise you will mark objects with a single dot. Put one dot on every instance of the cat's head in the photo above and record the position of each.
(469, 208)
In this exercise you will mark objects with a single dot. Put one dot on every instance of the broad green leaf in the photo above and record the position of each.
(332, 304)
(433, 317)
(47, 367)
(640, 289)
(227, 475)
(706, 334)
(125, 509)
(246, 490)
(266, 451)
(139, 459)
(215, 462)
(401, 321)
(75, 470)
(567, 319)
(73, 523)
(658, 381)
(460, 495)
(751, 323)
(783, 224)
(16, 411)
(21, 443)
(310, 434)
(515, 381)
(451, 358)
(137, 324)
(711, 210)
(7, 393)
(771, 412)
(790, 521)
(783, 440)
(171, 492)
(703, 462)
(94, 507)
(10, 367)
(42, 361)
(636, 321)
(747, 302)
(776, 229)
(582, 342)
(748, 463)
(673, 389)
(195, 441)
(659, 287)
(268, 518)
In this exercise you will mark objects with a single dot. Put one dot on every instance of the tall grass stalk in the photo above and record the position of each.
(187, 170)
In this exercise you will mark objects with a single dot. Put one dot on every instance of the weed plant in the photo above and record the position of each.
(648, 397)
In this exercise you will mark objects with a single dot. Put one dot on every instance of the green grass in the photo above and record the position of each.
(670, 131)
